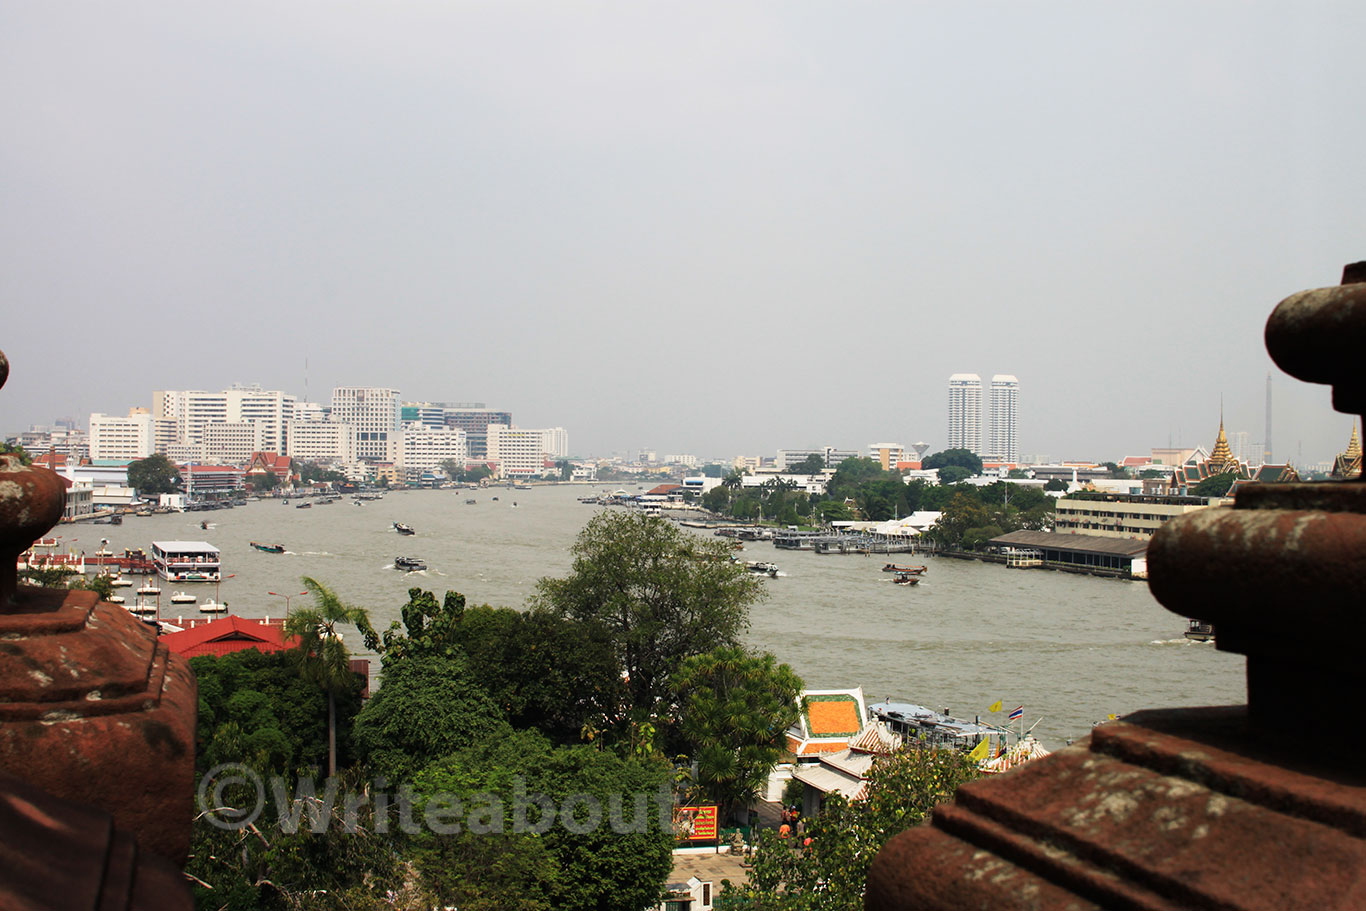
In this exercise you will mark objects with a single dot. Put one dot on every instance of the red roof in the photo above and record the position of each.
(663, 489)
(226, 635)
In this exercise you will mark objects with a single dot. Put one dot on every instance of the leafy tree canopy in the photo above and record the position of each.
(953, 474)
(427, 708)
(960, 457)
(594, 868)
(812, 464)
(734, 709)
(154, 474)
(1215, 485)
(655, 592)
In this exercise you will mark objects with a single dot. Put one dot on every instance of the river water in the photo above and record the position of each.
(1070, 649)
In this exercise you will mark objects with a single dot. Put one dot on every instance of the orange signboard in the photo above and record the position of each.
(695, 823)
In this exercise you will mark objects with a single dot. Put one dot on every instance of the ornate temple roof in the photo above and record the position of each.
(1222, 458)
(1348, 463)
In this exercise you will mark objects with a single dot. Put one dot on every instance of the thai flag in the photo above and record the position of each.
(1018, 713)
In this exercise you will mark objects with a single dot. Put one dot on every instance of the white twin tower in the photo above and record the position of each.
(966, 417)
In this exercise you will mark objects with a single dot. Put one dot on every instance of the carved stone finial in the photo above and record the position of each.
(1318, 336)
(31, 502)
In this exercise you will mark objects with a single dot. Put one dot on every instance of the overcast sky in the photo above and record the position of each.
(710, 228)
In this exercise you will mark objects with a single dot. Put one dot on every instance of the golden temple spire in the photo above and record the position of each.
(1354, 447)
(1221, 459)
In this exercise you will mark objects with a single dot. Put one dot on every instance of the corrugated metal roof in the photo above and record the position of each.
(1081, 544)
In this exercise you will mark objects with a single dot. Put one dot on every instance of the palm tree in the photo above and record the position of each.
(322, 656)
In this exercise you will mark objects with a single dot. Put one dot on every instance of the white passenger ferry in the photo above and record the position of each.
(186, 561)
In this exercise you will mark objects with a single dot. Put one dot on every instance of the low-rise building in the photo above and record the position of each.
(1122, 515)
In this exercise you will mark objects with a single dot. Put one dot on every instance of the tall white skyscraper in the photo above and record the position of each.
(965, 412)
(1005, 394)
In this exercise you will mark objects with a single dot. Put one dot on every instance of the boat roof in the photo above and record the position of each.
(910, 713)
(186, 547)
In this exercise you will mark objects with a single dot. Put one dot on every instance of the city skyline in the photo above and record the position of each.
(560, 210)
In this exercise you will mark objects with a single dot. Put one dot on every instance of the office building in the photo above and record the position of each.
(474, 419)
(518, 452)
(425, 448)
(374, 413)
(122, 438)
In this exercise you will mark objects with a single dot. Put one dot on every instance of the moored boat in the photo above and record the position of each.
(268, 548)
(183, 598)
(213, 607)
(150, 589)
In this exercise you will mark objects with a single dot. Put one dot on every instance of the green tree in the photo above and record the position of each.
(429, 707)
(829, 873)
(1056, 484)
(593, 866)
(953, 474)
(265, 480)
(657, 593)
(544, 670)
(960, 457)
(1215, 485)
(812, 464)
(321, 656)
(154, 474)
(734, 708)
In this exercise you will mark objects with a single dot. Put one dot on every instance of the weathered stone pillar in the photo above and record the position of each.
(97, 725)
(1261, 806)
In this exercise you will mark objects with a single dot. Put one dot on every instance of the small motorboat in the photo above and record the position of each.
(183, 598)
(760, 566)
(404, 529)
(303, 506)
(909, 570)
(906, 579)
(409, 564)
(268, 548)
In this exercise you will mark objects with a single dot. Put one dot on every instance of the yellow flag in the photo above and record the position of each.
(995, 706)
(979, 752)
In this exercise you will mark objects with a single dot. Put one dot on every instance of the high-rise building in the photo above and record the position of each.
(1005, 395)
(374, 413)
(965, 412)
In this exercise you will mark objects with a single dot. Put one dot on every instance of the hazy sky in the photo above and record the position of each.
(713, 228)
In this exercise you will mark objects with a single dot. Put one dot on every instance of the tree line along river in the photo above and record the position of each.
(1071, 649)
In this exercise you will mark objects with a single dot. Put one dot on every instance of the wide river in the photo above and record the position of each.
(1070, 649)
